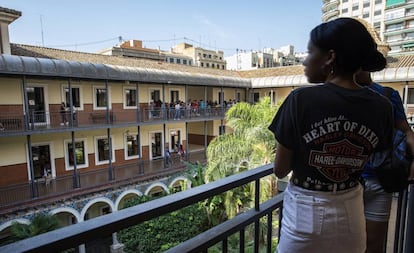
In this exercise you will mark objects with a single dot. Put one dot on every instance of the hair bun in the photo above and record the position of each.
(375, 61)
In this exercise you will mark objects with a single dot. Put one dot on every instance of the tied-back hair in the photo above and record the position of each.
(353, 45)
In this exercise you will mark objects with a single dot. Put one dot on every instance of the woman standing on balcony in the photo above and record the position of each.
(325, 134)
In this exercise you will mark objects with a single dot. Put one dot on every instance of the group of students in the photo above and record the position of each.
(325, 135)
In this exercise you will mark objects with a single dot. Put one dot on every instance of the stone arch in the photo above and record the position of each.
(94, 201)
(10, 222)
(125, 193)
(154, 185)
(70, 210)
(179, 179)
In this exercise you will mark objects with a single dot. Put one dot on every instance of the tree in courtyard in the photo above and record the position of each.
(40, 224)
(248, 146)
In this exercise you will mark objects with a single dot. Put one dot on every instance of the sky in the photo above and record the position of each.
(226, 25)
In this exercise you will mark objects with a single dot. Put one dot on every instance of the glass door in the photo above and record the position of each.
(42, 164)
(156, 145)
(36, 104)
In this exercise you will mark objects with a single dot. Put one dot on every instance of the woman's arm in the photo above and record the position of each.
(405, 127)
(283, 161)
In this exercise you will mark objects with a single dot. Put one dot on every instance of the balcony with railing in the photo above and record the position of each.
(45, 120)
(78, 183)
(269, 211)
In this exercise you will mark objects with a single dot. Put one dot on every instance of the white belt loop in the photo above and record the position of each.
(335, 187)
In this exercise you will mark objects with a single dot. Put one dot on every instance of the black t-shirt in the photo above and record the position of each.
(332, 131)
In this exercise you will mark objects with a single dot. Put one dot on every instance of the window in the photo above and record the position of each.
(76, 96)
(410, 99)
(209, 56)
(238, 97)
(365, 15)
(220, 97)
(131, 146)
(102, 150)
(171, 60)
(100, 98)
(178, 61)
(155, 95)
(355, 7)
(222, 129)
(377, 24)
(207, 65)
(184, 61)
(81, 155)
(365, 4)
(174, 96)
(202, 64)
(212, 65)
(256, 97)
(344, 1)
(377, 12)
(130, 98)
(378, 1)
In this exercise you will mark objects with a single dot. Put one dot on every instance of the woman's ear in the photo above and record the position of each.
(330, 57)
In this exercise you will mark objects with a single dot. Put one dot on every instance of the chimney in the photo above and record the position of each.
(7, 16)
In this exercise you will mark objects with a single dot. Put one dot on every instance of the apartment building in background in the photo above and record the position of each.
(393, 20)
(267, 58)
(203, 58)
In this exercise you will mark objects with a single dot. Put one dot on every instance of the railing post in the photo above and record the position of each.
(400, 221)
(409, 244)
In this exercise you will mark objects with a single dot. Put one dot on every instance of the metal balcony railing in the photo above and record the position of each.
(44, 120)
(134, 171)
(105, 226)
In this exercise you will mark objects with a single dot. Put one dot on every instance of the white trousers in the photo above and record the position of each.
(320, 222)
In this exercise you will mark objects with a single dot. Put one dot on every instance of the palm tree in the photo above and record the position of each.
(40, 224)
(250, 145)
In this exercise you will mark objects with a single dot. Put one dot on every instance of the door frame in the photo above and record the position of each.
(46, 105)
(150, 133)
(51, 157)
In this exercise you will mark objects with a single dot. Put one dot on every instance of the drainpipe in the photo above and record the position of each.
(75, 172)
(25, 104)
(72, 123)
(138, 106)
(108, 130)
(33, 190)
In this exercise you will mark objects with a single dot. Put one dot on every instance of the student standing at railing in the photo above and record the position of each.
(325, 134)
(377, 202)
(63, 113)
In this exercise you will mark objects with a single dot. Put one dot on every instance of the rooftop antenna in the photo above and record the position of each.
(41, 30)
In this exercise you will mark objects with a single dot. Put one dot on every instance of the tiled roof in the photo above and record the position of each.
(400, 61)
(277, 71)
(43, 52)
(50, 53)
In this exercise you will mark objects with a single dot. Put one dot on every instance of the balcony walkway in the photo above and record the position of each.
(19, 196)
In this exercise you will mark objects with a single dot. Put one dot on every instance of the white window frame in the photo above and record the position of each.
(76, 86)
(95, 141)
(126, 146)
(78, 166)
(125, 98)
(95, 106)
